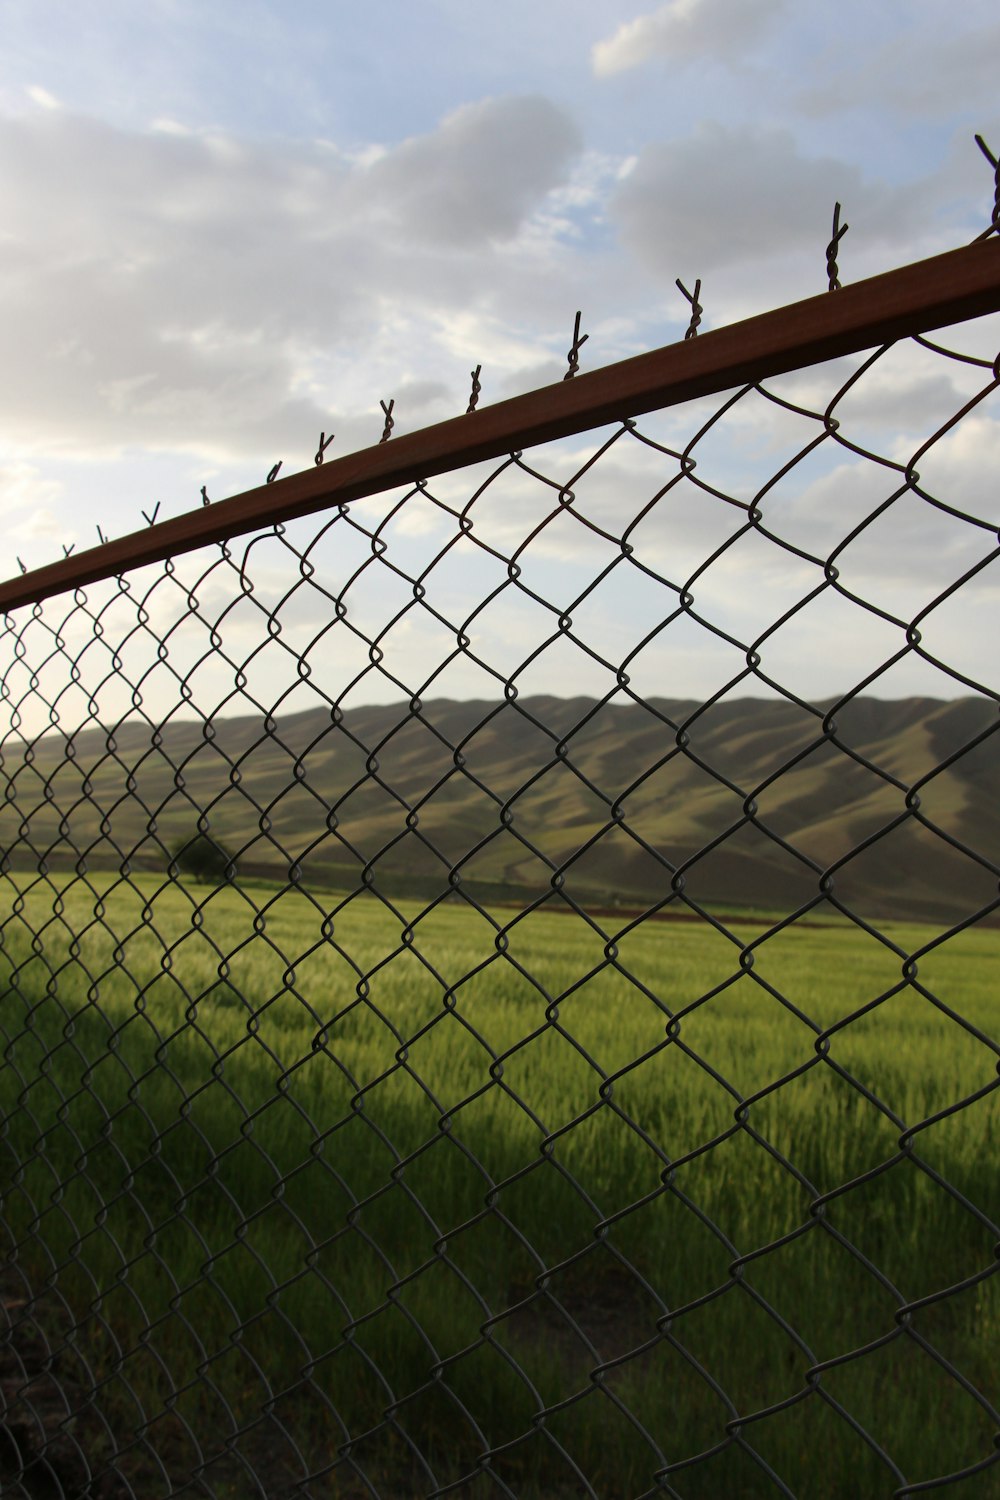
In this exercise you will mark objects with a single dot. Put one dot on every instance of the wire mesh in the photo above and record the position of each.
(498, 990)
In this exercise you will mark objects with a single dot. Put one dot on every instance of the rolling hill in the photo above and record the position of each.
(621, 804)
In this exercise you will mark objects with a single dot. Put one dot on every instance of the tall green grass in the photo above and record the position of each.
(406, 1180)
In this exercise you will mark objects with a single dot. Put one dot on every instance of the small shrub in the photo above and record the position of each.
(204, 859)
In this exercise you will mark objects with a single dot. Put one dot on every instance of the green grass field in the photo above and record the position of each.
(408, 1179)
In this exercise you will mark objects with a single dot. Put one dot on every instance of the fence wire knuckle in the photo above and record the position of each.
(573, 355)
(496, 972)
(696, 308)
(837, 233)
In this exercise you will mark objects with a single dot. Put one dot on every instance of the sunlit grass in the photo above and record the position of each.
(445, 1165)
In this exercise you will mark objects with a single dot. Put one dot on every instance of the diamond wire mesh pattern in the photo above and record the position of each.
(439, 1061)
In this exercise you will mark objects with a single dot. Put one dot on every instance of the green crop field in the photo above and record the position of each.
(301, 1161)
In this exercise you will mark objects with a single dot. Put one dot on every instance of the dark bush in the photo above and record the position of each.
(204, 859)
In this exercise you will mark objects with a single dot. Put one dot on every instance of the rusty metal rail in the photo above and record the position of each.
(929, 294)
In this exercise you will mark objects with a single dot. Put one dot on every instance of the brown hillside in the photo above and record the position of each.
(743, 803)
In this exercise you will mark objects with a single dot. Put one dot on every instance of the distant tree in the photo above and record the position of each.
(203, 858)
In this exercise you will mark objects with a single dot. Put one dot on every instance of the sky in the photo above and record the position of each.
(228, 228)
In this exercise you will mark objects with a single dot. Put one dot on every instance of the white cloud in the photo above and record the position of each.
(166, 126)
(44, 524)
(961, 466)
(475, 179)
(729, 197)
(31, 512)
(22, 487)
(915, 74)
(682, 30)
(909, 391)
(42, 97)
(167, 290)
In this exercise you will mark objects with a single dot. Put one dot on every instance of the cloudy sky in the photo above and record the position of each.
(229, 226)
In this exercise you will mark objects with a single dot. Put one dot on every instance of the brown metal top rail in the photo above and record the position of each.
(929, 294)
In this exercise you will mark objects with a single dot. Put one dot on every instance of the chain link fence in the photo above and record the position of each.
(499, 974)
